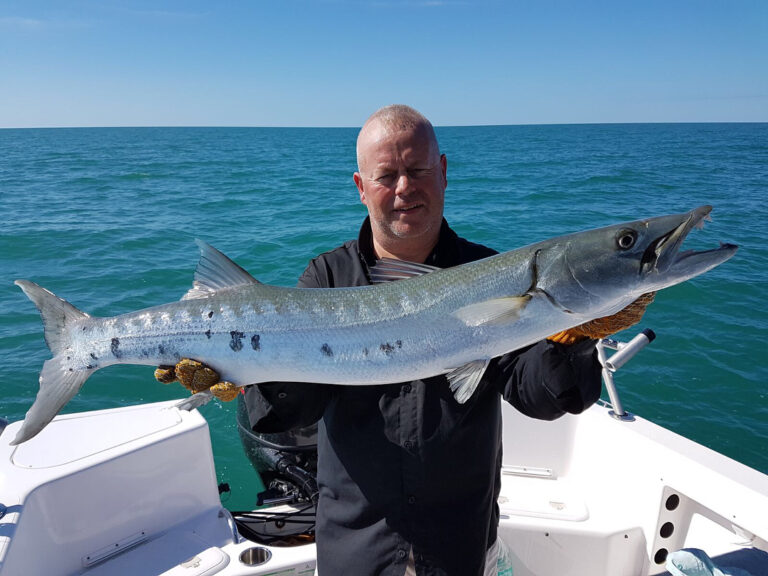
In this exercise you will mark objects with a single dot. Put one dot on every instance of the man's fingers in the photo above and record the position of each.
(629, 316)
(225, 391)
(604, 327)
(195, 376)
(166, 374)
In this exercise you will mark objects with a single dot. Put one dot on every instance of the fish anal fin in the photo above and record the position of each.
(493, 312)
(194, 401)
(215, 272)
(463, 380)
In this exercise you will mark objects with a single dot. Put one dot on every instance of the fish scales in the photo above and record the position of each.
(303, 329)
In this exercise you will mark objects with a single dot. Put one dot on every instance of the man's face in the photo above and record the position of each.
(402, 182)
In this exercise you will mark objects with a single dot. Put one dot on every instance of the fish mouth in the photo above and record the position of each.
(663, 254)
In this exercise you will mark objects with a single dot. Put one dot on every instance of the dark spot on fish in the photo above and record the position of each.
(208, 334)
(255, 344)
(237, 340)
(399, 343)
(387, 348)
(69, 358)
(90, 367)
(160, 349)
(71, 370)
(325, 349)
(114, 347)
(94, 356)
(210, 314)
(365, 351)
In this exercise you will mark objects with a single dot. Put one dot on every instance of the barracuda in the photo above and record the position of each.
(451, 321)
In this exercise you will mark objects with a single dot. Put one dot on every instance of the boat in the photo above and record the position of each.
(133, 491)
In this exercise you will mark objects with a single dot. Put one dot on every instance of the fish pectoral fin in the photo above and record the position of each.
(464, 379)
(216, 272)
(493, 312)
(389, 269)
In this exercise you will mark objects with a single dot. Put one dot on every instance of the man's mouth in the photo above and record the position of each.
(408, 208)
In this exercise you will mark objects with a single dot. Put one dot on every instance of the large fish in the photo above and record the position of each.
(450, 321)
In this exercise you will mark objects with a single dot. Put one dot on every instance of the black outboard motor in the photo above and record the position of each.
(286, 461)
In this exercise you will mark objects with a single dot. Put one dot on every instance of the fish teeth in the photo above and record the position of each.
(700, 224)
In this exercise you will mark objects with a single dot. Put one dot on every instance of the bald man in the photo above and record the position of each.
(408, 477)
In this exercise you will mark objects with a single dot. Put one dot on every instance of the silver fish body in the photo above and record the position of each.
(450, 321)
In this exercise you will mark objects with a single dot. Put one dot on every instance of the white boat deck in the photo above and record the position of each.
(133, 491)
(620, 496)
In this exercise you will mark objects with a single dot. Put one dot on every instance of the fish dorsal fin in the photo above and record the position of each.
(464, 379)
(493, 312)
(215, 272)
(389, 269)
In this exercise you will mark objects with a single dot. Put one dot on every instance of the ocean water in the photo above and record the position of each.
(106, 219)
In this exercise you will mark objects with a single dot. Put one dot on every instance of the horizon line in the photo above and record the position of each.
(234, 126)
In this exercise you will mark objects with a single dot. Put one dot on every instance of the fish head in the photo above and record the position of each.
(603, 270)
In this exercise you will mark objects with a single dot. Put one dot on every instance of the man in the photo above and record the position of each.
(408, 477)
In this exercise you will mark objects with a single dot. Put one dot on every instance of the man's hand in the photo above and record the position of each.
(602, 327)
(196, 377)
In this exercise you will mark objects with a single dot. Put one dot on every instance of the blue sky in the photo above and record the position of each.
(332, 62)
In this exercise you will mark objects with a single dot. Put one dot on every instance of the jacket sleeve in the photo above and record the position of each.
(549, 379)
(282, 406)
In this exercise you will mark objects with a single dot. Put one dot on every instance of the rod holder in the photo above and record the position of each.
(627, 351)
(624, 352)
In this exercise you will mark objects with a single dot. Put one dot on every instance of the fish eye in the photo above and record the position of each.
(626, 239)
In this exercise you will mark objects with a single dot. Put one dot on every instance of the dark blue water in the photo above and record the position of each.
(106, 219)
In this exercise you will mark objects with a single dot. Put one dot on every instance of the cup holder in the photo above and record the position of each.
(255, 556)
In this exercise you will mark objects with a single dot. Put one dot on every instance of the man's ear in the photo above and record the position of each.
(444, 168)
(359, 183)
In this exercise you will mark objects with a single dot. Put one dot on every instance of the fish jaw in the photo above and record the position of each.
(599, 272)
(665, 265)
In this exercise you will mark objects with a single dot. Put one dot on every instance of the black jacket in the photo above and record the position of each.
(404, 465)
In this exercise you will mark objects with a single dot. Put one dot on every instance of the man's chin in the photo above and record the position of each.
(410, 230)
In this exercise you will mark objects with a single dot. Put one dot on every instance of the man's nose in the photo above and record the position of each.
(403, 184)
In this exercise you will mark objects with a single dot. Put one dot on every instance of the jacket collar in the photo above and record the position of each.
(443, 255)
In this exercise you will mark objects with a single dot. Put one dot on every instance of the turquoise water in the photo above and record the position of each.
(106, 219)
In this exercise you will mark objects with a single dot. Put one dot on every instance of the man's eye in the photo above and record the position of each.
(418, 172)
(385, 178)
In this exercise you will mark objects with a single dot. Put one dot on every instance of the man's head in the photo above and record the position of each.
(401, 178)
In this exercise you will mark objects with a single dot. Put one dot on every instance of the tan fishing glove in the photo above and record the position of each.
(603, 327)
(196, 377)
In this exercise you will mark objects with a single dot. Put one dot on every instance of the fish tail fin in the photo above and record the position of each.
(58, 384)
(59, 379)
(56, 313)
